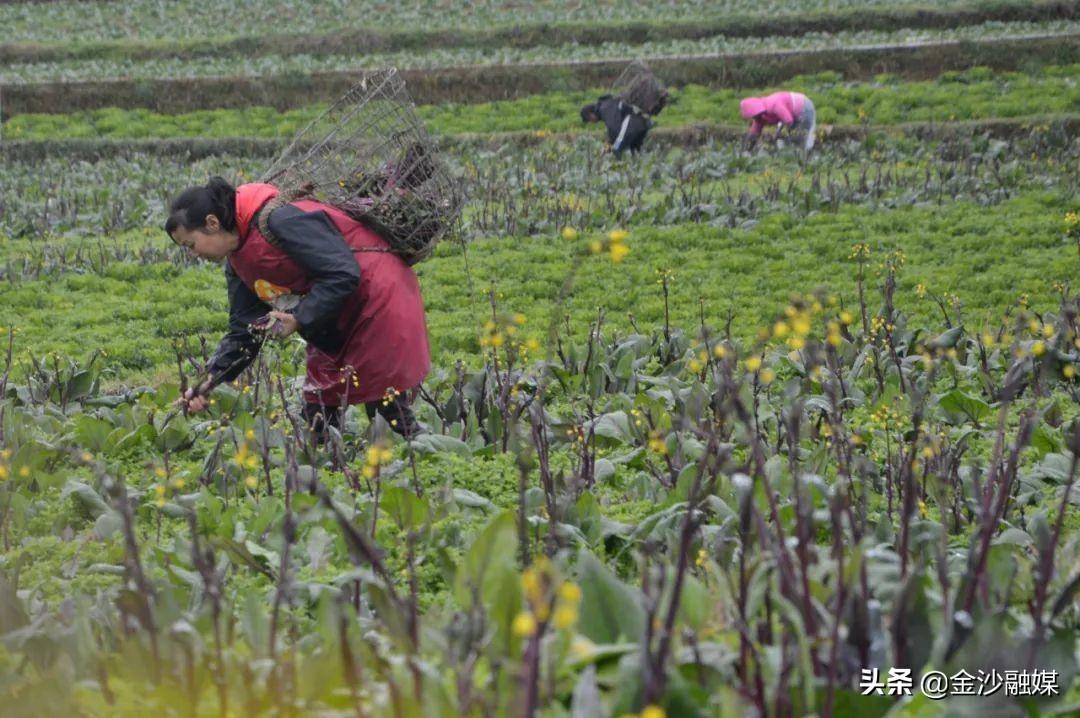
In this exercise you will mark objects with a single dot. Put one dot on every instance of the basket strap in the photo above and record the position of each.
(262, 217)
(262, 221)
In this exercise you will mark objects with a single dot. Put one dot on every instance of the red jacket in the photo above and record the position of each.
(380, 325)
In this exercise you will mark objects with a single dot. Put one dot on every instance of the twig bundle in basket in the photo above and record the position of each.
(369, 155)
(638, 86)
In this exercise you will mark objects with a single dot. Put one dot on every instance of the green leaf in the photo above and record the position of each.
(86, 496)
(694, 604)
(959, 405)
(947, 339)
(108, 524)
(1053, 467)
(610, 610)
(92, 433)
(80, 385)
(472, 500)
(615, 425)
(406, 508)
(488, 571)
(1045, 440)
(439, 443)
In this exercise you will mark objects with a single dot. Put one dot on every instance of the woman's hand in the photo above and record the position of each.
(287, 324)
(193, 401)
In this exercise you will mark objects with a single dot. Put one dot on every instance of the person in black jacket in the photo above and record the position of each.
(627, 125)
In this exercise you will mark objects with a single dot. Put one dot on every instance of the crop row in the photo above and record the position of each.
(978, 93)
(537, 189)
(292, 64)
(485, 83)
(149, 19)
(365, 39)
(956, 246)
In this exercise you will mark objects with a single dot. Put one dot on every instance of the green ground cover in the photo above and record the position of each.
(974, 94)
(136, 310)
(82, 69)
(146, 19)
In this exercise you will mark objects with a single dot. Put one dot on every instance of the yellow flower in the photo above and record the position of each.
(1038, 349)
(4, 473)
(719, 351)
(701, 556)
(251, 482)
(753, 363)
(565, 617)
(780, 330)
(988, 341)
(570, 592)
(160, 503)
(496, 340)
(532, 585)
(617, 236)
(1069, 371)
(368, 472)
(596, 247)
(524, 624)
(178, 483)
(767, 376)
(532, 344)
(846, 317)
(658, 445)
(1047, 331)
(24, 471)
(569, 234)
(87, 456)
(249, 434)
(159, 490)
(694, 366)
(923, 513)
(800, 325)
(653, 711)
(520, 319)
(619, 252)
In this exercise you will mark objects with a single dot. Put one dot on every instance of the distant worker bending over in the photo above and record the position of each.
(792, 110)
(626, 125)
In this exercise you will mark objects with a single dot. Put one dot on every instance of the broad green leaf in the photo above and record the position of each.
(610, 609)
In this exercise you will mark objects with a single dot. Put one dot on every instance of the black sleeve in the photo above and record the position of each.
(238, 348)
(312, 241)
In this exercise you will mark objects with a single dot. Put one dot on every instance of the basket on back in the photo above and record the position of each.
(638, 86)
(369, 155)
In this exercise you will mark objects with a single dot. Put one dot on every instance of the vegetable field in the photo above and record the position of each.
(710, 431)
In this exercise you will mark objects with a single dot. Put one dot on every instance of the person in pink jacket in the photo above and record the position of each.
(793, 110)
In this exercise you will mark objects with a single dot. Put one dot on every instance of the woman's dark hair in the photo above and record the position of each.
(190, 208)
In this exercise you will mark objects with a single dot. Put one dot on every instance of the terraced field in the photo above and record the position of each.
(710, 431)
